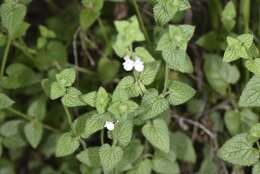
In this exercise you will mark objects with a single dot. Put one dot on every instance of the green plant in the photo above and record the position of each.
(83, 91)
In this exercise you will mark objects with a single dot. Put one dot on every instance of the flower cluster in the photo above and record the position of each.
(130, 64)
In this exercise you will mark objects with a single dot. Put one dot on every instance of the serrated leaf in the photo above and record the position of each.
(19, 76)
(121, 110)
(123, 132)
(238, 151)
(144, 55)
(66, 145)
(89, 98)
(5, 101)
(12, 16)
(90, 157)
(179, 92)
(72, 98)
(66, 77)
(182, 145)
(57, 91)
(33, 133)
(95, 123)
(153, 105)
(256, 168)
(37, 108)
(250, 96)
(219, 74)
(165, 10)
(156, 132)
(128, 32)
(238, 47)
(253, 66)
(173, 45)
(110, 156)
(102, 100)
(143, 167)
(150, 72)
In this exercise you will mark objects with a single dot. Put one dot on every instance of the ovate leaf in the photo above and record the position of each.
(66, 77)
(66, 145)
(72, 98)
(238, 151)
(33, 133)
(5, 101)
(110, 156)
(102, 100)
(156, 132)
(250, 96)
(123, 132)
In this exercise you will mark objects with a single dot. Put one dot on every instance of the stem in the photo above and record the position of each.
(7, 49)
(167, 71)
(67, 112)
(102, 136)
(103, 30)
(141, 20)
(29, 118)
(245, 10)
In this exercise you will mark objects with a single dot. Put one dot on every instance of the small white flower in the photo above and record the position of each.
(128, 64)
(109, 125)
(139, 65)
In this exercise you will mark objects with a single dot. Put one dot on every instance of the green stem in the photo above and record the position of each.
(29, 118)
(69, 118)
(141, 20)
(7, 49)
(102, 137)
(167, 71)
(245, 10)
(103, 30)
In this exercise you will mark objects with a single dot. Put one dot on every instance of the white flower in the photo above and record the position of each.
(128, 64)
(109, 125)
(139, 65)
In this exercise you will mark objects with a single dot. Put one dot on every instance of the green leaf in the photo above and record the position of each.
(11, 128)
(90, 157)
(89, 98)
(33, 133)
(228, 16)
(255, 131)
(102, 100)
(208, 166)
(232, 122)
(220, 74)
(128, 32)
(165, 163)
(107, 69)
(72, 98)
(87, 18)
(131, 153)
(238, 151)
(37, 108)
(110, 156)
(12, 16)
(123, 132)
(150, 72)
(256, 168)
(182, 145)
(66, 77)
(179, 92)
(143, 167)
(121, 110)
(144, 55)
(165, 10)
(57, 91)
(153, 105)
(5, 101)
(253, 66)
(238, 47)
(95, 123)
(210, 41)
(66, 145)
(19, 76)
(156, 132)
(173, 45)
(250, 96)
